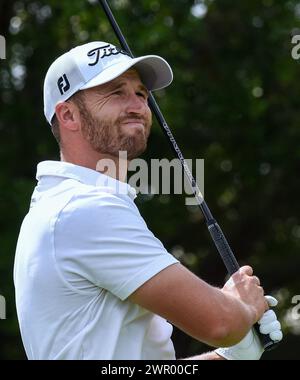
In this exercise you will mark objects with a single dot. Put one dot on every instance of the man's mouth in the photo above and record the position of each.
(134, 122)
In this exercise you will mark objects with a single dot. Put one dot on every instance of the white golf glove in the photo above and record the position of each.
(250, 348)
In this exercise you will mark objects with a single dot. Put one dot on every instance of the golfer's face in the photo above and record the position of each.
(123, 105)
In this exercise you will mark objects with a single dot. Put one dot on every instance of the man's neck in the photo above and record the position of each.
(115, 167)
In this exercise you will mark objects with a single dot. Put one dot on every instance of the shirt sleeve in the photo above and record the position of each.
(101, 239)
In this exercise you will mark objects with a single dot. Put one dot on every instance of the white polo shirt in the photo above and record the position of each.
(83, 249)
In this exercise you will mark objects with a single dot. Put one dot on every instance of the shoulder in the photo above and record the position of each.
(95, 199)
(96, 205)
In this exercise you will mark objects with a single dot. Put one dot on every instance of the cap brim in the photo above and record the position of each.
(155, 72)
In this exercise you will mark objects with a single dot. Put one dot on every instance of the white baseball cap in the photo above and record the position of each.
(96, 63)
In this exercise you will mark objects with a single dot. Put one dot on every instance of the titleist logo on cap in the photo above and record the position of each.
(103, 52)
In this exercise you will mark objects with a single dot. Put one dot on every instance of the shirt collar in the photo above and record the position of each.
(83, 175)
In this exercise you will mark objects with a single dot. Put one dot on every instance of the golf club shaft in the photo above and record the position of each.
(216, 233)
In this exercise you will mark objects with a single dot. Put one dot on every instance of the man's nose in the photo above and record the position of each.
(135, 103)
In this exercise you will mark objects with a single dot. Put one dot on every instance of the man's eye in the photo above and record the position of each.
(142, 95)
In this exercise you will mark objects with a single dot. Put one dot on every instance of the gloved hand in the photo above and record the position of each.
(250, 348)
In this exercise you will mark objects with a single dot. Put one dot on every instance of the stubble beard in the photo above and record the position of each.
(107, 137)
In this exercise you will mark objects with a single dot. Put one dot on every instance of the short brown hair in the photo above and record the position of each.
(78, 99)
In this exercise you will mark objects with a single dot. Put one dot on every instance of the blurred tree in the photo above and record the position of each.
(235, 102)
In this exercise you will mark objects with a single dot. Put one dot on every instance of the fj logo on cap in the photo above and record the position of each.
(104, 51)
(63, 84)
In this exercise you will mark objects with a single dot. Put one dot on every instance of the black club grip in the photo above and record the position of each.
(232, 266)
(223, 248)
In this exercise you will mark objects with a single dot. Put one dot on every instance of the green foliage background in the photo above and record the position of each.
(235, 102)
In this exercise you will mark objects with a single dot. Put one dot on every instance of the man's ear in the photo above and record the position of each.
(68, 116)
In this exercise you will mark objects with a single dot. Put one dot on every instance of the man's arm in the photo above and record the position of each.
(217, 317)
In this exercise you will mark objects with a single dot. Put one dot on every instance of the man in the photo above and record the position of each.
(92, 282)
